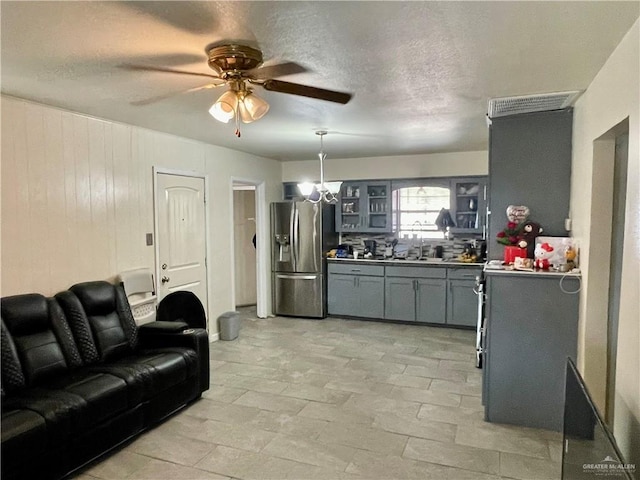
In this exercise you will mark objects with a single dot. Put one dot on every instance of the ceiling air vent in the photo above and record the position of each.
(501, 107)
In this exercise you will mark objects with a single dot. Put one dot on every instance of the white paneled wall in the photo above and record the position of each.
(77, 198)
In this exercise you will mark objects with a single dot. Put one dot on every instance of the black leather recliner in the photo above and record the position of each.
(79, 377)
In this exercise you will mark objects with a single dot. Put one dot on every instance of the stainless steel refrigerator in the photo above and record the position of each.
(301, 232)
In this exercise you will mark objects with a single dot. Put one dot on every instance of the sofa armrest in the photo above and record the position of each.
(152, 328)
(194, 338)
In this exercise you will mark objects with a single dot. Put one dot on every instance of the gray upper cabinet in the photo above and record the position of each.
(468, 205)
(364, 207)
(530, 164)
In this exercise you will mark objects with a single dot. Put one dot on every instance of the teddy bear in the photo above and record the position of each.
(527, 237)
(543, 252)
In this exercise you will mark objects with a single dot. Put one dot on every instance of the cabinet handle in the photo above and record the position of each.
(356, 270)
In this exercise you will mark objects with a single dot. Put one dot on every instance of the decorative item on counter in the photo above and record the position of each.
(564, 248)
(468, 254)
(544, 253)
(571, 256)
(517, 213)
(519, 235)
(529, 231)
(512, 252)
(332, 253)
(523, 264)
(344, 251)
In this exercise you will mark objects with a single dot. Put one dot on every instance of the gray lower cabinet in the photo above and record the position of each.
(462, 301)
(400, 299)
(439, 295)
(415, 294)
(356, 291)
(431, 300)
(531, 328)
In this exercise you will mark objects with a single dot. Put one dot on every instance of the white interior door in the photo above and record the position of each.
(181, 237)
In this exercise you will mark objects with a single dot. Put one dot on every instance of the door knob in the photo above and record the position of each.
(165, 279)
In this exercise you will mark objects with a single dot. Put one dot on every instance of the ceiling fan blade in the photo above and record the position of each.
(279, 70)
(306, 91)
(146, 68)
(155, 99)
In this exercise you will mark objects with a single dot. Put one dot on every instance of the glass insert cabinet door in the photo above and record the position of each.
(364, 207)
(468, 199)
(350, 207)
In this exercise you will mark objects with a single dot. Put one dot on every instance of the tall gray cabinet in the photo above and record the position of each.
(531, 320)
(530, 164)
(531, 329)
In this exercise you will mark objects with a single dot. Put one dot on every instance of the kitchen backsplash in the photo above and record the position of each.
(451, 248)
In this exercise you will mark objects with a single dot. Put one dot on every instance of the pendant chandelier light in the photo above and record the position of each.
(323, 191)
(239, 103)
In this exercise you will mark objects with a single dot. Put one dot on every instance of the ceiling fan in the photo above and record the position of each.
(239, 67)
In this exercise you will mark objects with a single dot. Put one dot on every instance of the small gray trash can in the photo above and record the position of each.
(229, 325)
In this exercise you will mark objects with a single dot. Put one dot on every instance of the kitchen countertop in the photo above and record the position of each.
(413, 263)
(504, 270)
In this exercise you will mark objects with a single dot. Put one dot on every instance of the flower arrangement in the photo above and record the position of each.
(510, 235)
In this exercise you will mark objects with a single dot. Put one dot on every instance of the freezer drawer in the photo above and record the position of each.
(299, 295)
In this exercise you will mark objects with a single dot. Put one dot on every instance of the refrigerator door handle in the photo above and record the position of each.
(292, 235)
(296, 233)
(298, 277)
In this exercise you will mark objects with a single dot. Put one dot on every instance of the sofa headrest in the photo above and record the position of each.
(97, 298)
(25, 314)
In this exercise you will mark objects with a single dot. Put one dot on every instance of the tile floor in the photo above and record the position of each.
(337, 399)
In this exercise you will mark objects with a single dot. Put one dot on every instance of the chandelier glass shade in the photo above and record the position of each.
(323, 191)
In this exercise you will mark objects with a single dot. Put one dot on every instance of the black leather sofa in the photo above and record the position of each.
(79, 377)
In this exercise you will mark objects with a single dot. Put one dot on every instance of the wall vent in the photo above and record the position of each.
(501, 107)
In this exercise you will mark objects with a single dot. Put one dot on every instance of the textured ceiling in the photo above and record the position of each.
(421, 72)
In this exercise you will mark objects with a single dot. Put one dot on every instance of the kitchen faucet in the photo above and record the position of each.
(421, 246)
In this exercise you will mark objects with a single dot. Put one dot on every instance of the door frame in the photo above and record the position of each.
(157, 170)
(262, 243)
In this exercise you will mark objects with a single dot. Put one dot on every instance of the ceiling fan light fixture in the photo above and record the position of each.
(255, 106)
(224, 109)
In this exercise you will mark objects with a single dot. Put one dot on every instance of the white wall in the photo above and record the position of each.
(612, 96)
(77, 198)
(404, 166)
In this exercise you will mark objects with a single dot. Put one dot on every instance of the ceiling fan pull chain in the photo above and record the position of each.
(237, 132)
